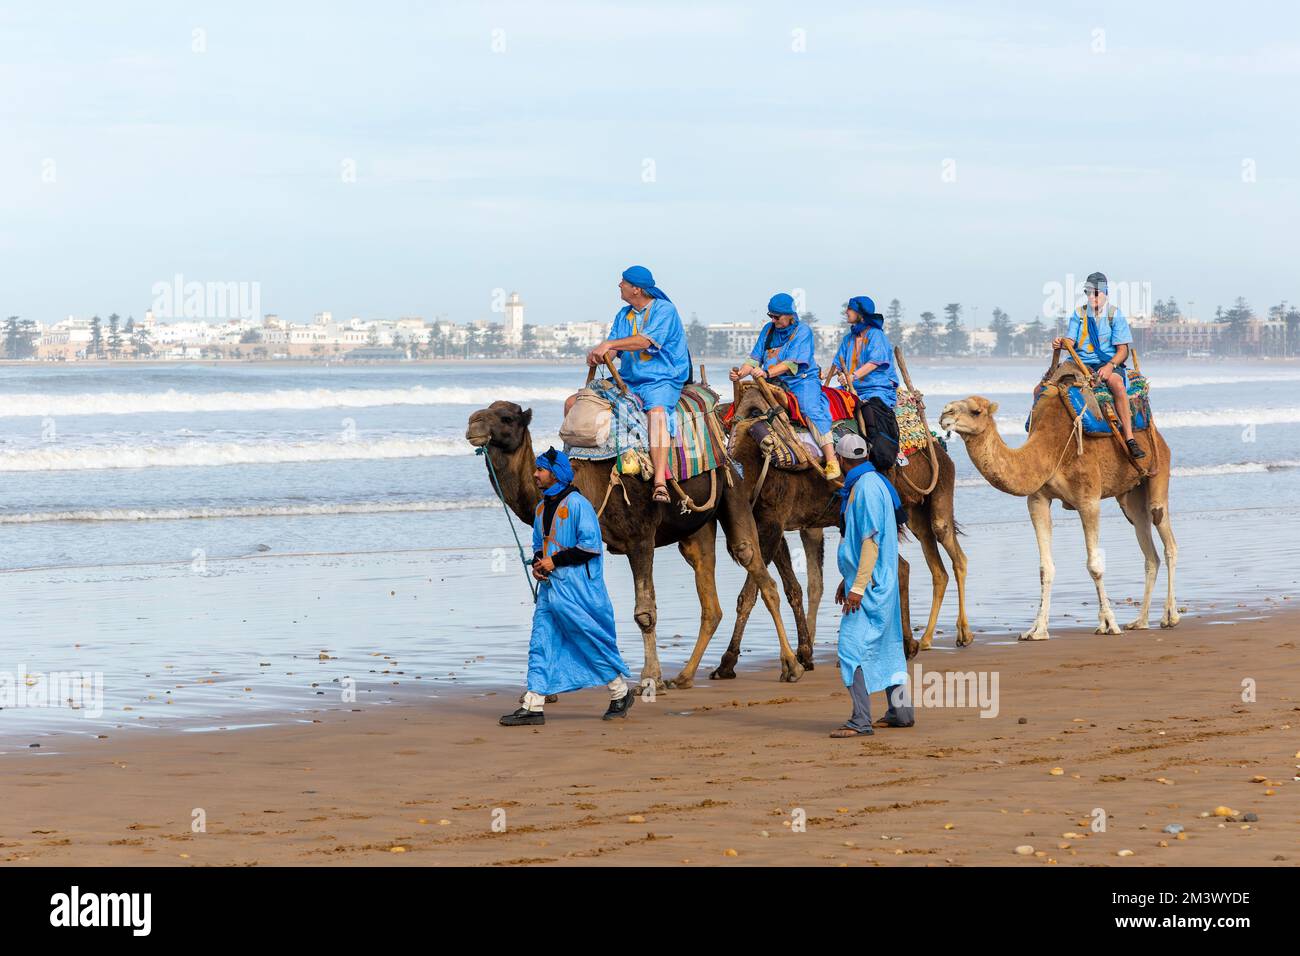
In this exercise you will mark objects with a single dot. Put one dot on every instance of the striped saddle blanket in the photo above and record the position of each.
(911, 431)
(699, 446)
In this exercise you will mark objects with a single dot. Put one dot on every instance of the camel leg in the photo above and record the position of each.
(1040, 513)
(642, 560)
(910, 644)
(700, 551)
(726, 669)
(945, 530)
(814, 549)
(1158, 508)
(742, 543)
(1090, 515)
(793, 596)
(938, 574)
(1134, 506)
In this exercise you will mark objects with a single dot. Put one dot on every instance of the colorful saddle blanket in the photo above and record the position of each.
(911, 431)
(698, 447)
(1097, 412)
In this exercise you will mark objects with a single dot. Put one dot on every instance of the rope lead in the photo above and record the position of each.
(523, 557)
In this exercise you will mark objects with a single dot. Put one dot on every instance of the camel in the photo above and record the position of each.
(637, 526)
(804, 501)
(1049, 466)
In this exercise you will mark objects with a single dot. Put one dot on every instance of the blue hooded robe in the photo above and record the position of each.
(658, 373)
(573, 643)
(872, 636)
(867, 342)
(795, 343)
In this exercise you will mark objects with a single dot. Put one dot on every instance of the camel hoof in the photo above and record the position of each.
(910, 647)
(791, 672)
(681, 682)
(1138, 625)
(1170, 619)
(964, 637)
(1036, 635)
(1108, 628)
(721, 674)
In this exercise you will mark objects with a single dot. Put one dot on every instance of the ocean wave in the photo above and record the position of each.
(133, 403)
(1025, 386)
(1217, 418)
(247, 511)
(206, 454)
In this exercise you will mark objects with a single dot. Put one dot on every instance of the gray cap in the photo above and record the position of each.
(853, 447)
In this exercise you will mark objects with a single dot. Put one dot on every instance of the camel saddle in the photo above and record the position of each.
(1095, 402)
(699, 446)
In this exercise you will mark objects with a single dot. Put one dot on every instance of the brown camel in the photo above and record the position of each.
(1050, 466)
(637, 526)
(804, 501)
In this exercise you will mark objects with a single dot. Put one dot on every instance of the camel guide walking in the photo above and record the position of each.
(871, 628)
(573, 643)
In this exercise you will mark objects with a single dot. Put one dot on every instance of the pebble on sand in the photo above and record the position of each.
(1173, 828)
(636, 818)
(1025, 850)
(1224, 812)
(730, 852)
(1056, 772)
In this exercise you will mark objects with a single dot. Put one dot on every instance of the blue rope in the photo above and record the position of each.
(496, 484)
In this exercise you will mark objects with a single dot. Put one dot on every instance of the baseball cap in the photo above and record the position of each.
(853, 447)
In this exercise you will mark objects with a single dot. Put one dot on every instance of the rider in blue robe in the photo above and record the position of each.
(573, 643)
(785, 354)
(654, 360)
(865, 361)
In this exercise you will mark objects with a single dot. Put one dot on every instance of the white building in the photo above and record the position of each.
(514, 325)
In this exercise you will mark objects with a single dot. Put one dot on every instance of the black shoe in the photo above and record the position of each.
(523, 718)
(620, 707)
(1135, 449)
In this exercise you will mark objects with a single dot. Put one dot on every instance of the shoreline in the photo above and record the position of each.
(698, 772)
(724, 361)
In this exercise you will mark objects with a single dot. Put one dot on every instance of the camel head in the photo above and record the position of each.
(750, 403)
(968, 416)
(502, 425)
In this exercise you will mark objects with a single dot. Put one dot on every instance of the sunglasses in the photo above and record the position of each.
(1093, 293)
(777, 315)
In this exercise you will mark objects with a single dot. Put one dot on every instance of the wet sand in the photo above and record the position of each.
(1149, 727)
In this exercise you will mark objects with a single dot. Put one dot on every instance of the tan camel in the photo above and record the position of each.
(637, 526)
(1049, 466)
(804, 501)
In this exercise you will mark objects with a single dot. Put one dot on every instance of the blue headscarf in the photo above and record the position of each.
(782, 304)
(557, 463)
(640, 277)
(851, 479)
(865, 306)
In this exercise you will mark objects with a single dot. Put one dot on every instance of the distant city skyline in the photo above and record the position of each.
(382, 160)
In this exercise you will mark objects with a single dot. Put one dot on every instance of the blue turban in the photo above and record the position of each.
(640, 277)
(782, 304)
(865, 306)
(557, 463)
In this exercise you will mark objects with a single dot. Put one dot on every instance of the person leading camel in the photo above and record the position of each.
(573, 644)
(865, 362)
(786, 355)
(654, 361)
(871, 636)
(1101, 336)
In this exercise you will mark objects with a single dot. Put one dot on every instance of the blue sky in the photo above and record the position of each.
(523, 168)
